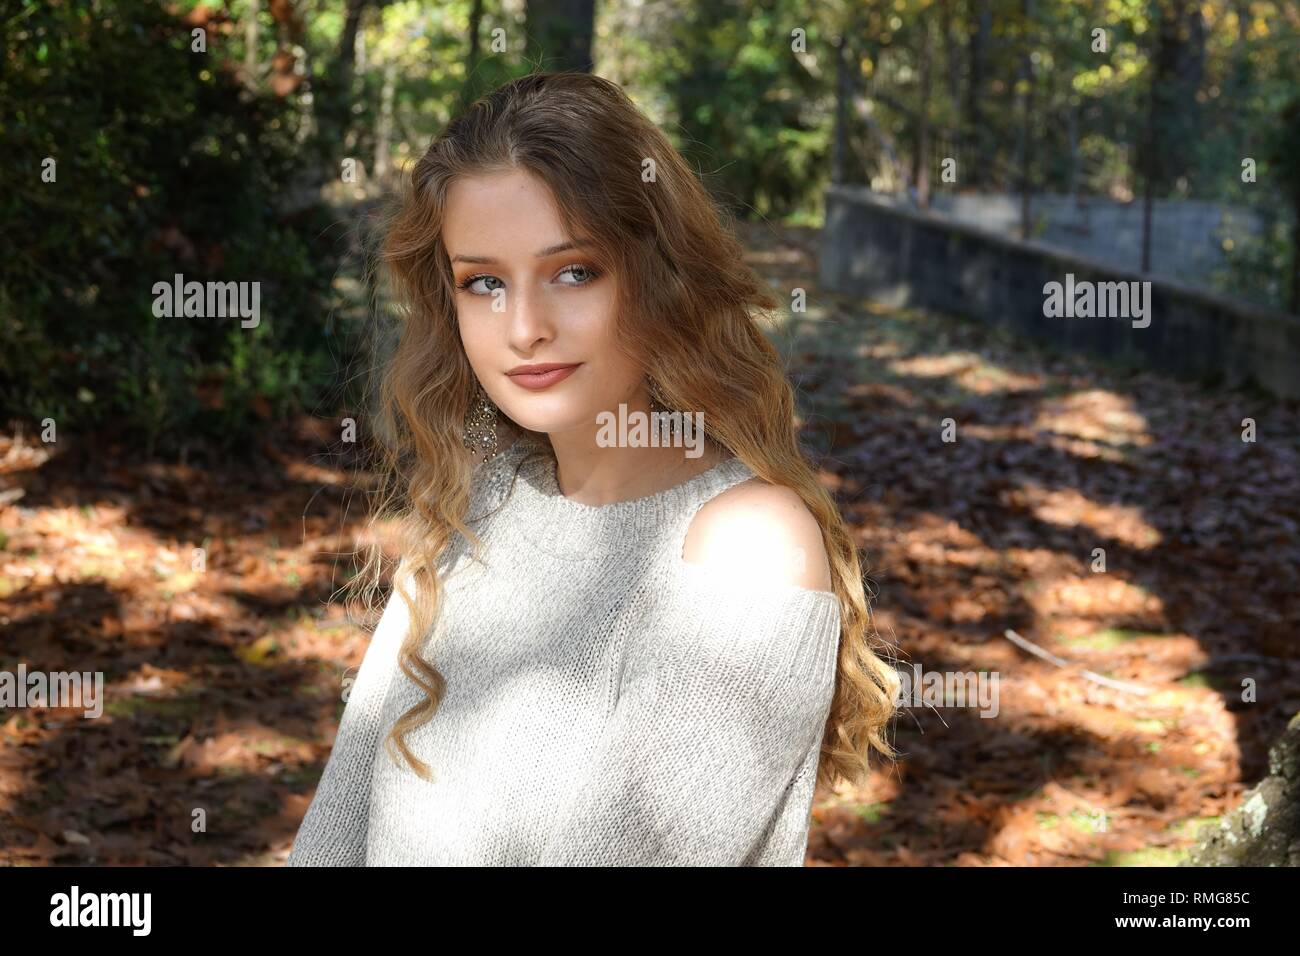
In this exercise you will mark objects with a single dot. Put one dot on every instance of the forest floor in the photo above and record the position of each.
(223, 681)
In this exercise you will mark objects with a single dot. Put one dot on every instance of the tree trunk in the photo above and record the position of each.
(559, 34)
(250, 41)
(1072, 132)
(843, 92)
(1149, 179)
(1179, 66)
(384, 128)
(923, 149)
(348, 39)
(1295, 258)
(469, 90)
(977, 42)
(1025, 141)
(1265, 829)
(952, 65)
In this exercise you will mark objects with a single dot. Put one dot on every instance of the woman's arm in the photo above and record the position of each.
(718, 708)
(333, 832)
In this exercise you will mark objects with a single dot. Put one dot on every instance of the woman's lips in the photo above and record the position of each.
(535, 381)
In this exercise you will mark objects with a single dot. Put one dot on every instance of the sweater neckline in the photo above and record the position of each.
(567, 528)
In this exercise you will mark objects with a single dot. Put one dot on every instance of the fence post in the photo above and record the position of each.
(838, 160)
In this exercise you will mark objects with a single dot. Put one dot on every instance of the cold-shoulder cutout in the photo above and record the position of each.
(758, 532)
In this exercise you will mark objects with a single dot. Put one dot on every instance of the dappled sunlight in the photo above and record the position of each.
(77, 526)
(868, 393)
(971, 371)
(1041, 563)
(1095, 596)
(1097, 420)
(999, 530)
(230, 677)
(783, 321)
(1134, 772)
(1122, 788)
(204, 598)
(994, 433)
(934, 538)
(244, 747)
(774, 258)
(19, 453)
(313, 474)
(883, 349)
(1069, 508)
(69, 543)
(148, 680)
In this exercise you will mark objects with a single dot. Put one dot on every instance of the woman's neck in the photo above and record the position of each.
(593, 475)
(597, 476)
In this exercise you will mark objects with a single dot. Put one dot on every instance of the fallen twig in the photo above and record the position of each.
(1031, 647)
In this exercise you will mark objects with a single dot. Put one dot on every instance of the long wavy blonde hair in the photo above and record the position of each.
(686, 309)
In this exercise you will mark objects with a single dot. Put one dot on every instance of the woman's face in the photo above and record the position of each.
(526, 295)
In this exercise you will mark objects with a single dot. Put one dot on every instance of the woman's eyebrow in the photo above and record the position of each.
(548, 251)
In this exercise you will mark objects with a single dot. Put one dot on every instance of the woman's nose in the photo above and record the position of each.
(529, 317)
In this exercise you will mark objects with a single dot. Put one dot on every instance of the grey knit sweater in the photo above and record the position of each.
(607, 702)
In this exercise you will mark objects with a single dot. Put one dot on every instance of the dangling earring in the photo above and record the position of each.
(480, 434)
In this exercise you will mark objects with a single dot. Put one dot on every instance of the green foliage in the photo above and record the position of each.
(750, 116)
(171, 161)
(751, 113)
(165, 165)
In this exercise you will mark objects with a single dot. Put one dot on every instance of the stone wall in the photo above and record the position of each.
(1186, 235)
(875, 248)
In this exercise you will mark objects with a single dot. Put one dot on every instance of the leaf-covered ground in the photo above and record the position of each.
(223, 684)
(1055, 457)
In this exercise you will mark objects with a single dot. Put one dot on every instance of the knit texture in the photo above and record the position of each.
(607, 702)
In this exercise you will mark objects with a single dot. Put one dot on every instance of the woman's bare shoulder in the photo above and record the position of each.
(761, 532)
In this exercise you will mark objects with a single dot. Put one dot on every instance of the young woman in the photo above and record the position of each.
(659, 641)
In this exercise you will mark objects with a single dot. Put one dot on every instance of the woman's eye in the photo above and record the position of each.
(583, 274)
(481, 284)
(471, 283)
